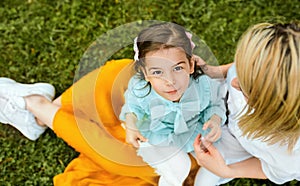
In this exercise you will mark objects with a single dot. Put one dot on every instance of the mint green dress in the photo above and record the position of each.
(167, 123)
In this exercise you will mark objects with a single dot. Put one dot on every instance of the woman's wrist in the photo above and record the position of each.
(224, 69)
(212, 71)
(249, 168)
(228, 173)
(215, 71)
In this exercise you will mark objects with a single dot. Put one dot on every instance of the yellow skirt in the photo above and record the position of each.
(88, 122)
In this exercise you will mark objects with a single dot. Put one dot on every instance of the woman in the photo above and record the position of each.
(262, 137)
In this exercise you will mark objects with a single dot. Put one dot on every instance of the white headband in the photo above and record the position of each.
(136, 50)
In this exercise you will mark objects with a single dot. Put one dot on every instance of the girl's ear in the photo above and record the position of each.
(192, 64)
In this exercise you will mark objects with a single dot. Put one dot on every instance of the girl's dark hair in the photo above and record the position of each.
(162, 36)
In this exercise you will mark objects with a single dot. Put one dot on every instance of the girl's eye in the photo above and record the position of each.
(157, 73)
(178, 68)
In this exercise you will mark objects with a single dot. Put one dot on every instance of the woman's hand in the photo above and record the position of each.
(211, 159)
(214, 124)
(212, 71)
(201, 63)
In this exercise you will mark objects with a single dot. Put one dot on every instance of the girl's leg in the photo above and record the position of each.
(87, 121)
(115, 158)
(205, 177)
(174, 170)
(86, 134)
(172, 164)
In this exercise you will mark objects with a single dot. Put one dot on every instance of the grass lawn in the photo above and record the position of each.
(44, 40)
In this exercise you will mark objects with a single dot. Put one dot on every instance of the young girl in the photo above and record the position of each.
(83, 116)
(168, 103)
(262, 137)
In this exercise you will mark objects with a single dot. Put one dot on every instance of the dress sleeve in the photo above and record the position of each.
(217, 92)
(133, 100)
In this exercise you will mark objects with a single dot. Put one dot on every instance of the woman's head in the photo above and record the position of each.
(165, 59)
(268, 68)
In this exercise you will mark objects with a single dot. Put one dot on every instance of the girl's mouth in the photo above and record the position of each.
(172, 92)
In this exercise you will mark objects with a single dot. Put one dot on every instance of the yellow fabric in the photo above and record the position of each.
(88, 121)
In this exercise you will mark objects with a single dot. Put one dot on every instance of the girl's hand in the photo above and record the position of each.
(214, 123)
(133, 136)
(211, 159)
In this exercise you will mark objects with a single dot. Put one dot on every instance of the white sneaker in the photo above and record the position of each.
(12, 105)
(10, 87)
(13, 112)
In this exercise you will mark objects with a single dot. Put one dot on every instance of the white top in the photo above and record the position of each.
(278, 164)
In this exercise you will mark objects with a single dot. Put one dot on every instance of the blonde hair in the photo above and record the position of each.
(268, 68)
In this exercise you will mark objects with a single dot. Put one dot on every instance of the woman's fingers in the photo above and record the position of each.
(199, 61)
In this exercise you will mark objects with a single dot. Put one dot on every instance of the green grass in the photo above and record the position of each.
(44, 40)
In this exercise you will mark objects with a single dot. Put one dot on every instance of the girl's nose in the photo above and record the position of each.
(170, 80)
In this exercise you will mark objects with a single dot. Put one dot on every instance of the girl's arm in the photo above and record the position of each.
(132, 132)
(212, 71)
(214, 162)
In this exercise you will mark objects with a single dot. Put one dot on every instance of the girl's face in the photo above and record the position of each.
(168, 71)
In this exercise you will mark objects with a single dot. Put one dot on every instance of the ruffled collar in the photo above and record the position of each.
(194, 100)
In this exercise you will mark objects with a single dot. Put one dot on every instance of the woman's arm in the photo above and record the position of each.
(212, 71)
(249, 168)
(214, 162)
